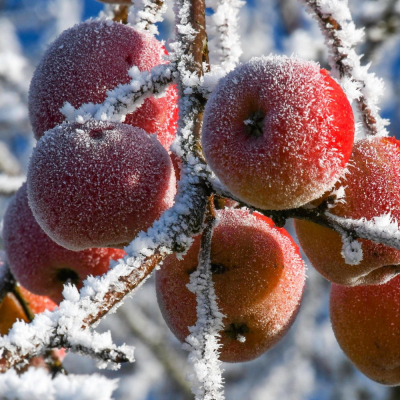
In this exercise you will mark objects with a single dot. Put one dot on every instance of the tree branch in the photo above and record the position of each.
(341, 39)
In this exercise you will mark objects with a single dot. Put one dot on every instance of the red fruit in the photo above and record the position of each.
(371, 189)
(88, 60)
(41, 265)
(98, 184)
(278, 132)
(366, 323)
(258, 278)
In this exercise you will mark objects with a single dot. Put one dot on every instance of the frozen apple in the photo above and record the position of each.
(99, 184)
(278, 132)
(41, 265)
(366, 323)
(88, 60)
(258, 277)
(371, 188)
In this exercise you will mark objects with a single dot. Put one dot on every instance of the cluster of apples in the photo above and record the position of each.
(364, 303)
(278, 132)
(91, 187)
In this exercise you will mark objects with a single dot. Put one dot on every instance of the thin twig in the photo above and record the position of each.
(51, 358)
(344, 59)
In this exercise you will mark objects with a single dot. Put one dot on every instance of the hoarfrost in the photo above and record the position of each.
(223, 25)
(37, 384)
(202, 342)
(341, 38)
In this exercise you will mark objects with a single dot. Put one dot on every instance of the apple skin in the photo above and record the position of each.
(98, 184)
(298, 143)
(41, 265)
(258, 278)
(371, 189)
(86, 61)
(11, 310)
(366, 323)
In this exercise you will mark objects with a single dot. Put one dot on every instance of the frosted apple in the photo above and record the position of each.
(41, 265)
(278, 132)
(88, 60)
(366, 323)
(371, 188)
(258, 277)
(98, 184)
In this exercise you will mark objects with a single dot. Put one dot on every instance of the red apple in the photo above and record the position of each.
(371, 188)
(278, 132)
(258, 277)
(366, 323)
(98, 184)
(41, 265)
(88, 60)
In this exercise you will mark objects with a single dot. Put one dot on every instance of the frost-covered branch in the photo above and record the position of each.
(341, 37)
(382, 229)
(124, 99)
(226, 41)
(206, 378)
(63, 327)
(151, 12)
(36, 383)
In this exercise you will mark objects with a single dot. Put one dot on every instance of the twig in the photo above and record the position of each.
(226, 41)
(206, 378)
(51, 359)
(120, 12)
(341, 38)
(150, 14)
(124, 99)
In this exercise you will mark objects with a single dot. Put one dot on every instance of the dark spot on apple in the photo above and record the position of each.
(129, 60)
(219, 268)
(234, 330)
(255, 124)
(67, 275)
(377, 345)
(96, 133)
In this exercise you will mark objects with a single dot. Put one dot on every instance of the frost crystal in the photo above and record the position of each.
(203, 343)
(37, 384)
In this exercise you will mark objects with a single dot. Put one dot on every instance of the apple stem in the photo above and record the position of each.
(121, 14)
